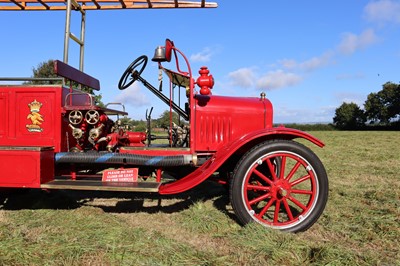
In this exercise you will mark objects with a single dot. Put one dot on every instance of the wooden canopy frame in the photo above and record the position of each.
(44, 5)
(83, 5)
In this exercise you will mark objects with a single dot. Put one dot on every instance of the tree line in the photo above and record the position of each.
(381, 110)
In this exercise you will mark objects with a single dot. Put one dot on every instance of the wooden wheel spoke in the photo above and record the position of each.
(258, 187)
(276, 212)
(266, 208)
(263, 197)
(287, 208)
(300, 180)
(283, 166)
(301, 191)
(271, 170)
(298, 203)
(293, 171)
(262, 176)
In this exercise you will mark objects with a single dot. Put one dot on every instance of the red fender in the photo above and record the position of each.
(208, 168)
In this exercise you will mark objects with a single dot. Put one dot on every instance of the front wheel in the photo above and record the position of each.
(279, 184)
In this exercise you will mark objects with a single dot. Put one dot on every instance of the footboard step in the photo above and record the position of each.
(102, 186)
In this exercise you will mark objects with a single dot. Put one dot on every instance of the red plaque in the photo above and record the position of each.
(120, 175)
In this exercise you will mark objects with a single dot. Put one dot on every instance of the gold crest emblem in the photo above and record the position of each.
(35, 117)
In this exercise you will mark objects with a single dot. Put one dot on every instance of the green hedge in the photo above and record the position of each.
(309, 127)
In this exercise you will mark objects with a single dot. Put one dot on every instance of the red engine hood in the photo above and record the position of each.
(220, 120)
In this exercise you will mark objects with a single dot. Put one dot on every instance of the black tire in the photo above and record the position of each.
(290, 198)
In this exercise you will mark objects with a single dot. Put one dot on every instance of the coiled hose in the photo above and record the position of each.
(122, 158)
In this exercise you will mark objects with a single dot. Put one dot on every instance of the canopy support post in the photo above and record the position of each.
(69, 35)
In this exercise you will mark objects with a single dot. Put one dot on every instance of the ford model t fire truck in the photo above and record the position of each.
(60, 139)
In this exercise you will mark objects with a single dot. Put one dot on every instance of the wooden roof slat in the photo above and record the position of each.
(154, 2)
(122, 3)
(20, 5)
(35, 5)
(96, 4)
(44, 4)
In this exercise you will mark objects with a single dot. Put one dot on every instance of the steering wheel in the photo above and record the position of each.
(131, 72)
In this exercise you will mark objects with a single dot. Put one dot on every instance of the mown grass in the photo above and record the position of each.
(360, 225)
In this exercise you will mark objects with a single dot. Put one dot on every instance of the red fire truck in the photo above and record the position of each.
(56, 137)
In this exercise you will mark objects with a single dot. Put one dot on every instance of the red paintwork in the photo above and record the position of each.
(26, 166)
(14, 112)
(225, 152)
(37, 117)
(220, 120)
(205, 81)
(131, 139)
(168, 49)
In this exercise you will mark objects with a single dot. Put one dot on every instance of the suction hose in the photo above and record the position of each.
(124, 158)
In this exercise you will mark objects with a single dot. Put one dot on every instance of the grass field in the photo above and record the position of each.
(360, 225)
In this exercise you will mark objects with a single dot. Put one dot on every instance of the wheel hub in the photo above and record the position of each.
(283, 192)
(280, 189)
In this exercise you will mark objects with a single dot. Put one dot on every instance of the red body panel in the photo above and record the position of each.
(220, 120)
(31, 116)
(26, 166)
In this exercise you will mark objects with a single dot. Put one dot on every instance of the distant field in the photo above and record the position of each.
(360, 225)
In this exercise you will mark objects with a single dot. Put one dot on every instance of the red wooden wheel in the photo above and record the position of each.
(279, 184)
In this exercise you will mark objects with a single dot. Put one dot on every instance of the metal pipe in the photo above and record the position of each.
(164, 98)
(82, 44)
(67, 31)
(29, 79)
(69, 34)
(73, 37)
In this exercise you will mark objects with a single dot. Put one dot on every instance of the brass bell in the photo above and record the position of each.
(159, 55)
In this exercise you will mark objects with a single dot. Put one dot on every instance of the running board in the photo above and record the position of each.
(102, 186)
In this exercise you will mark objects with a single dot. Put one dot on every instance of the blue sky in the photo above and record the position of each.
(308, 56)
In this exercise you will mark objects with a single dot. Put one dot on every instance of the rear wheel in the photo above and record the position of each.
(279, 184)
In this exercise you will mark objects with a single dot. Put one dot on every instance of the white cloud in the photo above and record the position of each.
(248, 78)
(132, 96)
(203, 56)
(307, 65)
(243, 77)
(351, 42)
(316, 62)
(383, 11)
(292, 71)
(278, 79)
